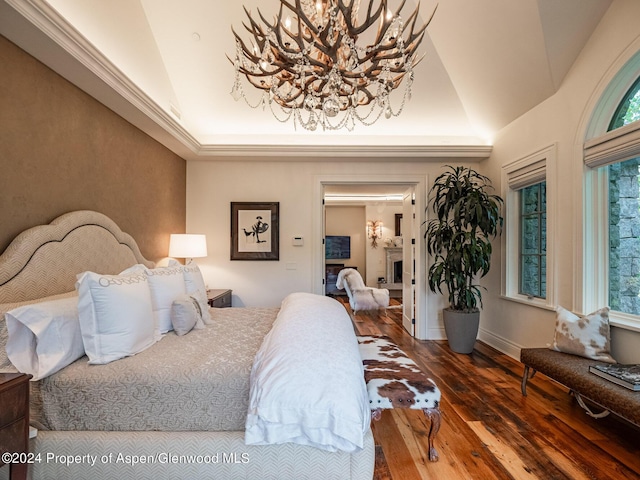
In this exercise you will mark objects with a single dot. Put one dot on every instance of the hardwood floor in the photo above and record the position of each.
(489, 430)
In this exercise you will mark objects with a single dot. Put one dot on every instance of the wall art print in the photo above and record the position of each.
(255, 231)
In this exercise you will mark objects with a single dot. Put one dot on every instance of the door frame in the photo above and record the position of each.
(419, 182)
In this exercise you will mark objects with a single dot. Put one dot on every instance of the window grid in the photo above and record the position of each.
(532, 282)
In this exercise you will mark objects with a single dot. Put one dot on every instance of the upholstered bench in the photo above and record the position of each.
(573, 372)
(395, 381)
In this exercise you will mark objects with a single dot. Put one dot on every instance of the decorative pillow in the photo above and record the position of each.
(185, 315)
(5, 363)
(166, 284)
(584, 336)
(196, 287)
(116, 316)
(44, 337)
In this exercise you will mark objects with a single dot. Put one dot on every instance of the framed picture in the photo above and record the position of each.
(398, 230)
(255, 231)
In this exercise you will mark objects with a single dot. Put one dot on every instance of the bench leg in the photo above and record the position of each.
(376, 414)
(433, 414)
(584, 406)
(526, 376)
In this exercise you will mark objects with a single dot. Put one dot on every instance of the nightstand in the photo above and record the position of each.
(14, 419)
(219, 298)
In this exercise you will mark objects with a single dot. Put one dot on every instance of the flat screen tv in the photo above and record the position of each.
(337, 246)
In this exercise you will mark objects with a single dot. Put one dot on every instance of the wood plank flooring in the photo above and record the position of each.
(489, 430)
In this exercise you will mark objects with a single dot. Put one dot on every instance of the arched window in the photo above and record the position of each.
(624, 216)
(629, 109)
(612, 261)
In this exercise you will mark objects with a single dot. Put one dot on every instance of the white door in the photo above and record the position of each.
(408, 261)
(324, 246)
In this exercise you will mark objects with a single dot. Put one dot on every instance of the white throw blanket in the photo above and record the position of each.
(307, 381)
(360, 296)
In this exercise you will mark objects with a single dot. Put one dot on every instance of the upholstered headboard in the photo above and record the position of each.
(45, 260)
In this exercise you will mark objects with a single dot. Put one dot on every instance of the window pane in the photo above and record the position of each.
(530, 275)
(530, 199)
(533, 240)
(530, 235)
(629, 109)
(624, 236)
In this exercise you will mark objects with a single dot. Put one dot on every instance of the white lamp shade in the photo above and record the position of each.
(185, 245)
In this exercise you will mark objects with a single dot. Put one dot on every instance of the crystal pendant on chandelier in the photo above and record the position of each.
(310, 102)
(311, 66)
(236, 92)
(330, 107)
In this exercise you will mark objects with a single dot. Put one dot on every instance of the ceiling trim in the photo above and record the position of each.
(116, 91)
(46, 19)
(365, 152)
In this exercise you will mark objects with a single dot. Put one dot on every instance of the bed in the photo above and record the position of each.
(207, 403)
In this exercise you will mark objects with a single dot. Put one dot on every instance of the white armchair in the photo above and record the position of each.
(360, 296)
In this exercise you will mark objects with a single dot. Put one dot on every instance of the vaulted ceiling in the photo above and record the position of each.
(163, 66)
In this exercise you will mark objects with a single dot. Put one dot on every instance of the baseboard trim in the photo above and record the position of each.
(500, 343)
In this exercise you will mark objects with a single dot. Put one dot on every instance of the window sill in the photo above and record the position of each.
(535, 302)
(624, 320)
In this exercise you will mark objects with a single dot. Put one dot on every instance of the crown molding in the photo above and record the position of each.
(40, 30)
(111, 80)
(363, 152)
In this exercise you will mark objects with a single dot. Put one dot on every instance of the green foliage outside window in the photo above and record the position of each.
(629, 109)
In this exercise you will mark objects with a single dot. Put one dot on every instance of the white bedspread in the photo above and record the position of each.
(307, 382)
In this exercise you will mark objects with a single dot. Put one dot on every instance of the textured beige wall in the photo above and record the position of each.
(61, 150)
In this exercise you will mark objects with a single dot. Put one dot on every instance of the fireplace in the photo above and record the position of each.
(394, 265)
(397, 272)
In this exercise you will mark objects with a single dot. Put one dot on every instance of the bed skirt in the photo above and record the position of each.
(177, 455)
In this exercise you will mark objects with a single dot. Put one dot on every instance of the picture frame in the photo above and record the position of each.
(398, 229)
(255, 228)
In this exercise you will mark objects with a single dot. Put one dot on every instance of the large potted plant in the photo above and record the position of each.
(467, 217)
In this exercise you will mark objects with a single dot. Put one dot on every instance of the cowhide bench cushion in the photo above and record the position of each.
(395, 381)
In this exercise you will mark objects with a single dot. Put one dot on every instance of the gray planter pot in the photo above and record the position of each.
(461, 329)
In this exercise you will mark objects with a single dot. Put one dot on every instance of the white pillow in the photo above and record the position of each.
(185, 315)
(5, 363)
(116, 316)
(166, 284)
(586, 336)
(44, 337)
(196, 287)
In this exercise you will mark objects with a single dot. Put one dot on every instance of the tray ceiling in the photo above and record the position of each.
(163, 66)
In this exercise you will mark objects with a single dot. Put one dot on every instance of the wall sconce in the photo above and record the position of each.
(374, 231)
(187, 246)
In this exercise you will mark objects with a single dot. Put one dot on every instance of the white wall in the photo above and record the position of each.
(561, 120)
(212, 185)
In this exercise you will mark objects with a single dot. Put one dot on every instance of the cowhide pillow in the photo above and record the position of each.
(586, 336)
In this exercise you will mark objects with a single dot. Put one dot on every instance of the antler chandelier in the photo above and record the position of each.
(311, 68)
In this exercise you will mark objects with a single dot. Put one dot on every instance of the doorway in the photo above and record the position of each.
(386, 198)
